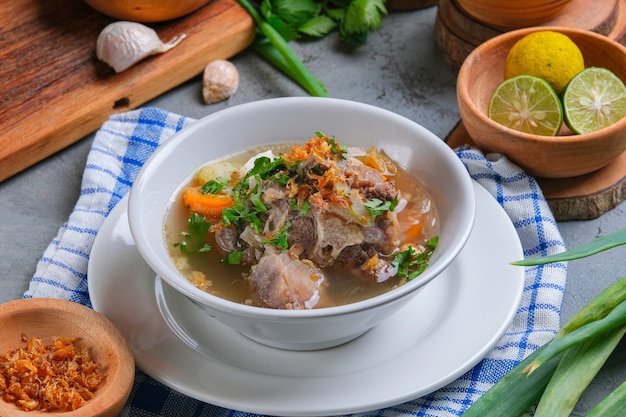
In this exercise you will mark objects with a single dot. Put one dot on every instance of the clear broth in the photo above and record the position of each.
(341, 287)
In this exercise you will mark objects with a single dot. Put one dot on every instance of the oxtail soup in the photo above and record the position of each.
(302, 226)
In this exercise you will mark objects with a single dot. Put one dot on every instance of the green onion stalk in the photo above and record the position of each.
(556, 375)
(273, 47)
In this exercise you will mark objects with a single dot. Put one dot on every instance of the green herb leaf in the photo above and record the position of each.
(247, 205)
(295, 12)
(335, 13)
(287, 32)
(265, 167)
(282, 179)
(256, 198)
(280, 239)
(378, 207)
(337, 148)
(233, 258)
(303, 208)
(597, 245)
(194, 239)
(410, 263)
(281, 21)
(317, 170)
(214, 186)
(362, 17)
(318, 27)
(240, 213)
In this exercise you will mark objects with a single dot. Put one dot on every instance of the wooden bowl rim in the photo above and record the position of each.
(146, 11)
(514, 14)
(464, 78)
(110, 398)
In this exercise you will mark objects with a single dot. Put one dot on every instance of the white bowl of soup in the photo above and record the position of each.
(301, 222)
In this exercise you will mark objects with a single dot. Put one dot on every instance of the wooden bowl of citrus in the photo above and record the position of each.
(59, 358)
(565, 155)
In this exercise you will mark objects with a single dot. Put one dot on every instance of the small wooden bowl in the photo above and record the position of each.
(513, 14)
(146, 10)
(563, 156)
(46, 318)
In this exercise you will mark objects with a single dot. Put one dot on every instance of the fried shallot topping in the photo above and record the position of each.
(47, 377)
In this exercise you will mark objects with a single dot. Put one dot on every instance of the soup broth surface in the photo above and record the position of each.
(337, 281)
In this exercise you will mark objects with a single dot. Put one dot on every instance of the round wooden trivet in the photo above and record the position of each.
(580, 198)
(457, 33)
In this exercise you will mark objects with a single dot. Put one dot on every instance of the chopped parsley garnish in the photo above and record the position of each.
(241, 211)
(317, 170)
(214, 186)
(335, 147)
(265, 167)
(410, 263)
(233, 258)
(378, 207)
(282, 179)
(194, 238)
(303, 208)
(280, 239)
(247, 195)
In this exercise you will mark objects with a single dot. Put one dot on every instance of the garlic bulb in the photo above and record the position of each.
(219, 81)
(123, 44)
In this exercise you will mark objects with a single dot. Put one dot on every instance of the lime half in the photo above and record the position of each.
(594, 99)
(528, 104)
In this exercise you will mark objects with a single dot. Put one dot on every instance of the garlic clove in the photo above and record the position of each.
(219, 81)
(122, 44)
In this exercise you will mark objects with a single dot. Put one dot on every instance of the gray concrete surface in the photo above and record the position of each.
(400, 69)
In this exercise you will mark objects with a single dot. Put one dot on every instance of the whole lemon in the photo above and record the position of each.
(545, 54)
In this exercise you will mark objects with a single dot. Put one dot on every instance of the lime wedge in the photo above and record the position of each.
(528, 104)
(593, 99)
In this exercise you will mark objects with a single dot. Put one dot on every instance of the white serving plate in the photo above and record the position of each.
(448, 328)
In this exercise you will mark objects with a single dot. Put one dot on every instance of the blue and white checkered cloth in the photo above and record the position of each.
(124, 143)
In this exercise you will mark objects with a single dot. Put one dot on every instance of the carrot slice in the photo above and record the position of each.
(208, 205)
(413, 233)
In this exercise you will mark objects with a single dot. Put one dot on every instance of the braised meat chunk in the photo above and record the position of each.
(282, 281)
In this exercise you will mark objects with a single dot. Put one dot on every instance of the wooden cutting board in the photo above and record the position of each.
(54, 91)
